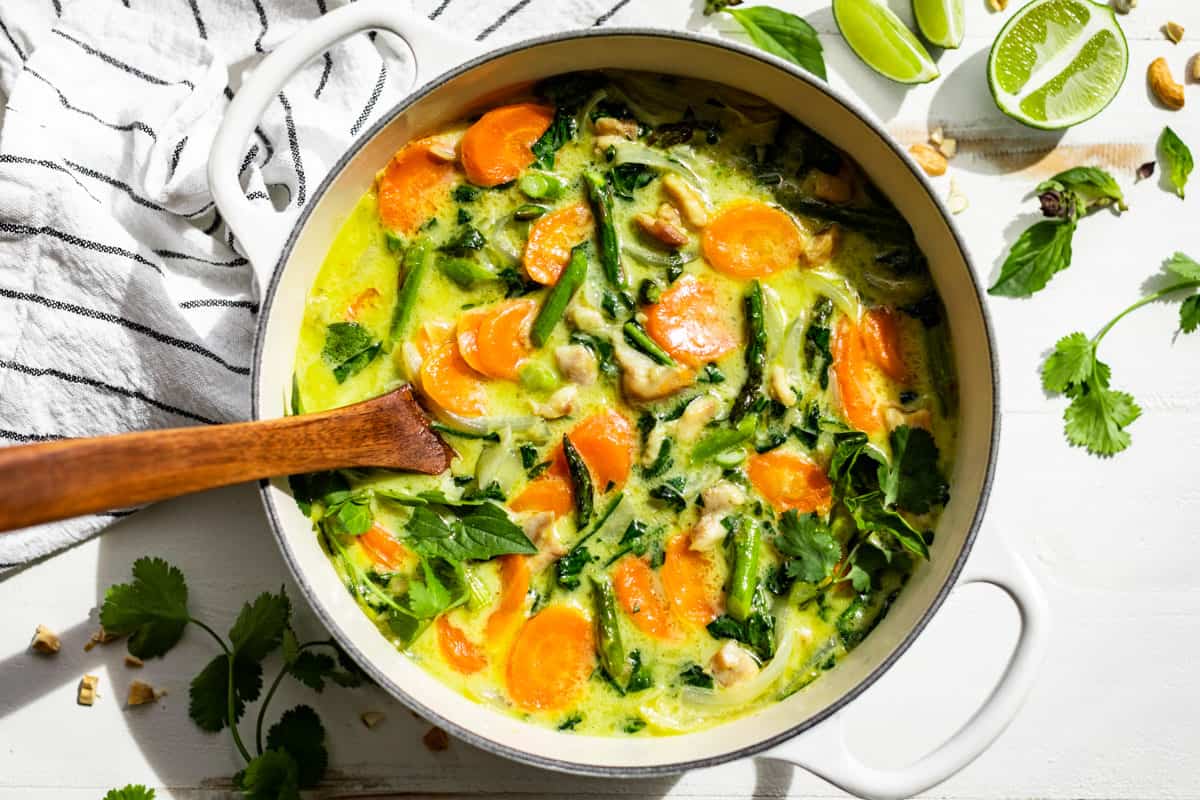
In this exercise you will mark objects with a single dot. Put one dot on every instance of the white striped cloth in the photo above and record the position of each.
(124, 302)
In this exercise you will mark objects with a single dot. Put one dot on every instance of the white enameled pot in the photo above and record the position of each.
(453, 79)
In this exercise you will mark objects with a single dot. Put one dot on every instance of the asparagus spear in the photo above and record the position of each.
(744, 575)
(416, 264)
(556, 302)
(608, 630)
(581, 480)
(756, 354)
(600, 192)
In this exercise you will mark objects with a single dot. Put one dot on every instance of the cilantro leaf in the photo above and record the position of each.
(484, 531)
(208, 695)
(871, 516)
(130, 792)
(1189, 314)
(349, 347)
(430, 597)
(1178, 158)
(352, 515)
(1069, 364)
(272, 776)
(1184, 266)
(259, 626)
(859, 578)
(812, 549)
(1097, 418)
(312, 668)
(1039, 253)
(300, 734)
(913, 481)
(784, 35)
(152, 609)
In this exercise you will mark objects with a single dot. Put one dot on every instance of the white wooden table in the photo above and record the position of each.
(1116, 713)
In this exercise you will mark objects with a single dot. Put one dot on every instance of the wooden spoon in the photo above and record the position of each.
(71, 477)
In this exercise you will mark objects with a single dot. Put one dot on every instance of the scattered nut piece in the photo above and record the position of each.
(87, 690)
(1000, 5)
(133, 661)
(822, 247)
(836, 189)
(611, 126)
(372, 718)
(100, 637)
(1194, 70)
(931, 161)
(948, 147)
(666, 226)
(436, 740)
(45, 641)
(141, 693)
(956, 200)
(1124, 6)
(1173, 31)
(1168, 92)
(691, 203)
(937, 136)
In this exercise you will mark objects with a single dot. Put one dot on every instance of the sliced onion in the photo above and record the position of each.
(638, 153)
(836, 289)
(484, 424)
(657, 258)
(793, 343)
(774, 320)
(498, 244)
(744, 693)
(585, 114)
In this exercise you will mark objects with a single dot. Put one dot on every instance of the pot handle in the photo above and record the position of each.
(822, 750)
(262, 232)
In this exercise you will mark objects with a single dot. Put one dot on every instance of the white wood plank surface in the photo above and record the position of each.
(1114, 715)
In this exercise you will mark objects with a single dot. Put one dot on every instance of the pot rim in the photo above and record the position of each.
(509, 750)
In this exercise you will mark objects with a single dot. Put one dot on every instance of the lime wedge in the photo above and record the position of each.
(1058, 63)
(880, 39)
(940, 21)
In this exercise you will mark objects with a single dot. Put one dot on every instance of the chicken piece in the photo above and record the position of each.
(732, 665)
(687, 199)
(576, 363)
(45, 641)
(722, 496)
(700, 412)
(611, 126)
(654, 443)
(895, 417)
(642, 379)
(539, 527)
(821, 248)
(585, 318)
(606, 141)
(781, 387)
(558, 405)
(707, 533)
(836, 189)
(665, 226)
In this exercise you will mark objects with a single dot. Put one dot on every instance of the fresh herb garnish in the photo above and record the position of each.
(349, 348)
(694, 675)
(130, 792)
(779, 33)
(809, 545)
(1177, 158)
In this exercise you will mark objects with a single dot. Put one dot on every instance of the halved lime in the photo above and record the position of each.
(940, 21)
(881, 40)
(1058, 63)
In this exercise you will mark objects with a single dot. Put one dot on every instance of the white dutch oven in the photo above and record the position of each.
(454, 80)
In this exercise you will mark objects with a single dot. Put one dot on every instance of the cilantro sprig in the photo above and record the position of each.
(1098, 415)
(1044, 249)
(153, 611)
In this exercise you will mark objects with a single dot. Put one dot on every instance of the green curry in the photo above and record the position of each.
(698, 383)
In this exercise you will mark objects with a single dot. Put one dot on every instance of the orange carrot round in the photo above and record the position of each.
(548, 493)
(691, 324)
(412, 186)
(634, 584)
(431, 335)
(551, 237)
(383, 549)
(881, 338)
(790, 481)
(463, 655)
(496, 149)
(510, 609)
(850, 369)
(752, 240)
(449, 382)
(687, 578)
(468, 336)
(551, 659)
(503, 338)
(606, 440)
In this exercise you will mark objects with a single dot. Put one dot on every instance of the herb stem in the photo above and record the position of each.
(1147, 300)
(262, 708)
(230, 709)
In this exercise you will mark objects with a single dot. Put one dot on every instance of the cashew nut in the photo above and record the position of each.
(1168, 92)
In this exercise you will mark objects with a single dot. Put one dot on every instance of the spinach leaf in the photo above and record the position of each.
(757, 631)
(913, 481)
(349, 348)
(561, 131)
(818, 356)
(465, 239)
(694, 675)
(629, 177)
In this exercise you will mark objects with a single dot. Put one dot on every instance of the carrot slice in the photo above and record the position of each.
(790, 481)
(548, 493)
(551, 659)
(431, 335)
(510, 609)
(691, 324)
(606, 441)
(463, 655)
(497, 148)
(362, 302)
(634, 583)
(448, 381)
(881, 338)
(850, 368)
(412, 186)
(551, 237)
(687, 577)
(503, 338)
(468, 336)
(752, 240)
(384, 550)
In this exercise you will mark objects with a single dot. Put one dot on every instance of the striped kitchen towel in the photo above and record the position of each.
(125, 304)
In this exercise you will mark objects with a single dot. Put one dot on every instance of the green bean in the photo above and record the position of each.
(600, 192)
(756, 354)
(637, 337)
(465, 272)
(581, 480)
(416, 264)
(743, 579)
(608, 632)
(542, 185)
(537, 377)
(723, 439)
(556, 302)
(528, 211)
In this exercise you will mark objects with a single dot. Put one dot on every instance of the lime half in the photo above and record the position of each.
(940, 21)
(881, 40)
(1058, 62)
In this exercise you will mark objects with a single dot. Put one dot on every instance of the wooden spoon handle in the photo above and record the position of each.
(68, 478)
